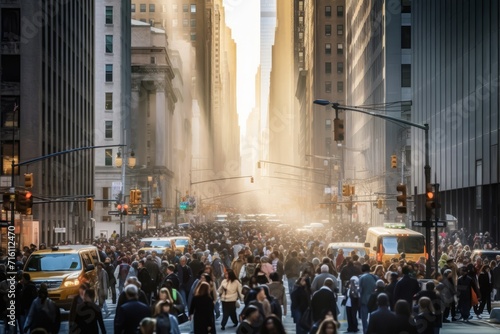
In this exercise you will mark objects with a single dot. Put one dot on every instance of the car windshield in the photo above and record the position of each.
(181, 242)
(347, 251)
(54, 262)
(157, 243)
(407, 244)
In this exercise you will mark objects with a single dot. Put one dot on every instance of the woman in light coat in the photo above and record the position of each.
(230, 293)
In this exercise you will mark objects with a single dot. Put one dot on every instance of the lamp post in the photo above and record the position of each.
(131, 161)
(427, 167)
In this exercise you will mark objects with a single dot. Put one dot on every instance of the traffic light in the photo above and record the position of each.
(24, 201)
(429, 201)
(138, 197)
(132, 196)
(90, 204)
(401, 198)
(123, 208)
(251, 179)
(380, 203)
(28, 180)
(432, 201)
(157, 202)
(145, 211)
(338, 129)
(394, 161)
(346, 190)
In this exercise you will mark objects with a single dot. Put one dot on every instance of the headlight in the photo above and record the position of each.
(72, 282)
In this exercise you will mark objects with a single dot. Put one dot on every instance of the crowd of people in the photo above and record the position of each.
(255, 265)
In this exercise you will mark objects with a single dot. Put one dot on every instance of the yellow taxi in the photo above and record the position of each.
(63, 269)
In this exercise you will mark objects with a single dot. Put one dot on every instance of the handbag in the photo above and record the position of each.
(182, 318)
(474, 300)
(305, 321)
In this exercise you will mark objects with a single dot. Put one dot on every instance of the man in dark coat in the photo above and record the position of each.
(382, 320)
(347, 272)
(28, 295)
(292, 270)
(406, 287)
(88, 317)
(324, 300)
(129, 315)
(172, 276)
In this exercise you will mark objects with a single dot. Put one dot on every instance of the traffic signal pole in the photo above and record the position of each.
(427, 167)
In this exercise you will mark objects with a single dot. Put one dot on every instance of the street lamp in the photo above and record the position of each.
(131, 161)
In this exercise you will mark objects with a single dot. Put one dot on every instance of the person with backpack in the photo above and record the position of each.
(121, 274)
(248, 270)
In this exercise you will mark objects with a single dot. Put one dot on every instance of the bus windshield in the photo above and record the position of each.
(406, 244)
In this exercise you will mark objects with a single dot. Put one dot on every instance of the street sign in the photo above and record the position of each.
(113, 213)
(60, 229)
(417, 223)
(4, 223)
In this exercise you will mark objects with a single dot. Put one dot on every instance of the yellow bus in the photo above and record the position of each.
(389, 241)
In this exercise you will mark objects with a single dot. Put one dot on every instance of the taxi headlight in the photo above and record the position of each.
(72, 282)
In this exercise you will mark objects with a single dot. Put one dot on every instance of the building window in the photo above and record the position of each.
(105, 195)
(328, 87)
(340, 67)
(108, 104)
(328, 67)
(340, 49)
(328, 143)
(405, 6)
(108, 129)
(164, 8)
(193, 23)
(406, 37)
(193, 36)
(175, 22)
(151, 7)
(109, 72)
(340, 86)
(340, 29)
(185, 22)
(340, 11)
(142, 7)
(193, 8)
(152, 60)
(109, 43)
(185, 8)
(10, 111)
(328, 48)
(328, 29)
(328, 11)
(405, 75)
(109, 15)
(174, 8)
(108, 157)
(132, 8)
(10, 151)
(328, 124)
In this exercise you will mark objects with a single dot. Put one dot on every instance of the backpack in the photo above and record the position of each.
(353, 290)
(250, 269)
(185, 275)
(124, 269)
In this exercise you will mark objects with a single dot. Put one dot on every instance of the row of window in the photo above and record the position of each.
(405, 76)
(328, 29)
(328, 11)
(328, 86)
(152, 8)
(328, 48)
(328, 67)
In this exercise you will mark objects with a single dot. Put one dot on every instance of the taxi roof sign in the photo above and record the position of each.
(394, 225)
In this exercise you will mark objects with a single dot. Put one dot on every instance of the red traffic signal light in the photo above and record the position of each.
(394, 161)
(401, 198)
